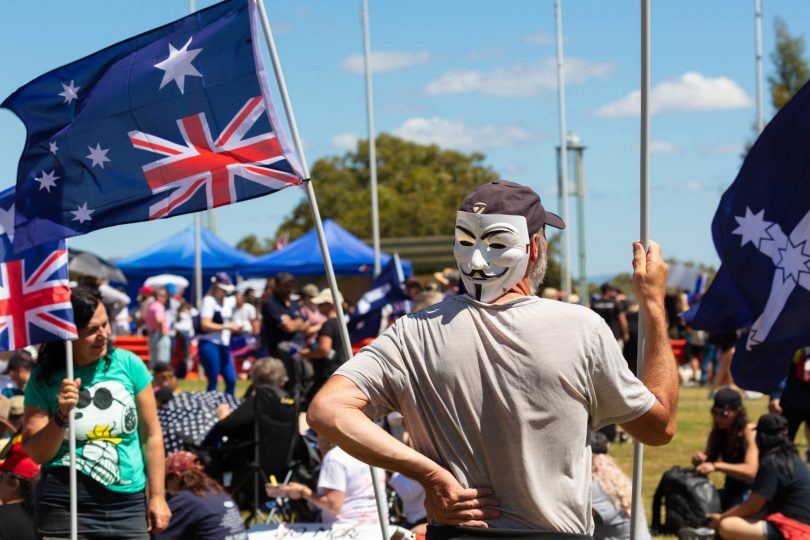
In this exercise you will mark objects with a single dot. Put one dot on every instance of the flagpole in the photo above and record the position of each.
(372, 143)
(565, 284)
(758, 33)
(316, 218)
(74, 499)
(638, 448)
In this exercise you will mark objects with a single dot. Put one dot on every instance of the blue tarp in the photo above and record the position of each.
(302, 257)
(175, 255)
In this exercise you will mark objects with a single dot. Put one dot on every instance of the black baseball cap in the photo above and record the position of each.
(726, 398)
(772, 424)
(511, 198)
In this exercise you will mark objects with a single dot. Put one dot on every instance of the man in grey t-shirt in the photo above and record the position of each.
(498, 387)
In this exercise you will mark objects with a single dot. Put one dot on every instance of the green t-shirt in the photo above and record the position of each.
(108, 447)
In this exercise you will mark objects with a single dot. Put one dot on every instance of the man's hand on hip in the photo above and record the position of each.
(449, 503)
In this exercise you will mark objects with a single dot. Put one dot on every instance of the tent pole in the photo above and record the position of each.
(638, 448)
(316, 218)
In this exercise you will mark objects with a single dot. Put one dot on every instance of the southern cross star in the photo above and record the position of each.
(53, 148)
(70, 92)
(47, 181)
(82, 213)
(7, 222)
(98, 155)
(790, 256)
(178, 65)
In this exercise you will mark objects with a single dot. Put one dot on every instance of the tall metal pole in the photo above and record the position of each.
(372, 143)
(192, 7)
(72, 479)
(758, 33)
(565, 278)
(638, 448)
(316, 218)
(579, 169)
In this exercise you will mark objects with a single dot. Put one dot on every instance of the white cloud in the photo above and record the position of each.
(694, 185)
(517, 80)
(723, 148)
(382, 61)
(662, 147)
(345, 141)
(538, 38)
(689, 92)
(455, 134)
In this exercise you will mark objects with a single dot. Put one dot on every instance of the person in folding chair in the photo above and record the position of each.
(499, 387)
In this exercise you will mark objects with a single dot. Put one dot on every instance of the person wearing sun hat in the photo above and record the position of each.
(217, 326)
(17, 476)
(500, 387)
(326, 354)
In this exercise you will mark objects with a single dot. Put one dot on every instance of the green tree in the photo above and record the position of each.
(251, 244)
(419, 188)
(791, 71)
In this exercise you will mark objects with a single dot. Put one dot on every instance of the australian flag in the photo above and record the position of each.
(386, 289)
(172, 121)
(34, 288)
(762, 233)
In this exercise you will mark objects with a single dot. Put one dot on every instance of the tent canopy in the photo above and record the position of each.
(175, 255)
(302, 257)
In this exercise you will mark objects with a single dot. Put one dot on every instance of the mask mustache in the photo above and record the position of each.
(483, 275)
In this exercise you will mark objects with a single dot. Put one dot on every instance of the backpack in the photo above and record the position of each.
(687, 498)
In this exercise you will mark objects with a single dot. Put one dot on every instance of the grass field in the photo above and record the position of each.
(693, 427)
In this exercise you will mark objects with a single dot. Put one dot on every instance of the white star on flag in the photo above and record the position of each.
(47, 181)
(789, 254)
(53, 147)
(98, 155)
(82, 213)
(178, 65)
(7, 222)
(70, 92)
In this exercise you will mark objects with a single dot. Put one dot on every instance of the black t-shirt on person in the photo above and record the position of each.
(609, 309)
(788, 495)
(272, 311)
(16, 523)
(324, 367)
(213, 516)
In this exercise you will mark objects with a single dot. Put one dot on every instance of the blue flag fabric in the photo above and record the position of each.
(34, 288)
(172, 121)
(761, 232)
(386, 288)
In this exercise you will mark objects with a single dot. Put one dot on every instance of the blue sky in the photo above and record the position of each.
(476, 76)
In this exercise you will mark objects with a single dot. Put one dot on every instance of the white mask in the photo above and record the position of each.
(492, 252)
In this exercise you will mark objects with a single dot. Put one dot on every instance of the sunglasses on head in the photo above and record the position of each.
(721, 411)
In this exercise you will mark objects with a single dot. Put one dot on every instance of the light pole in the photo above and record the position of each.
(576, 149)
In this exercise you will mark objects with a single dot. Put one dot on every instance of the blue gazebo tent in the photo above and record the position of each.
(302, 257)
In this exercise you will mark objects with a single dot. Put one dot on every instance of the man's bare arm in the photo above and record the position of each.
(337, 413)
(659, 373)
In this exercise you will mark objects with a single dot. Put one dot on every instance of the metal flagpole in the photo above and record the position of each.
(74, 497)
(316, 218)
(372, 143)
(638, 448)
(192, 7)
(565, 279)
(758, 32)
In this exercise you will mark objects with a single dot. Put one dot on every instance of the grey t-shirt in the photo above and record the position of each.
(503, 396)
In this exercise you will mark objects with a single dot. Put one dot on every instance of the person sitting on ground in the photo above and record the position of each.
(201, 510)
(345, 493)
(781, 489)
(19, 371)
(18, 475)
(732, 441)
(611, 494)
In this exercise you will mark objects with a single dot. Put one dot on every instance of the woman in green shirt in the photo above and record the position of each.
(119, 444)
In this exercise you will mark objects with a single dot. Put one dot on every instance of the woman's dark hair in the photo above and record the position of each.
(776, 450)
(52, 355)
(197, 482)
(728, 444)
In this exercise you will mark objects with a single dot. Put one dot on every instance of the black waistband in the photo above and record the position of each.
(445, 532)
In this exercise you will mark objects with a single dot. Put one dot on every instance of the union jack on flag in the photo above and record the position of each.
(34, 289)
(172, 121)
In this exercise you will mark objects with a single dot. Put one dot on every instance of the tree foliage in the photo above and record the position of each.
(251, 244)
(791, 71)
(419, 189)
